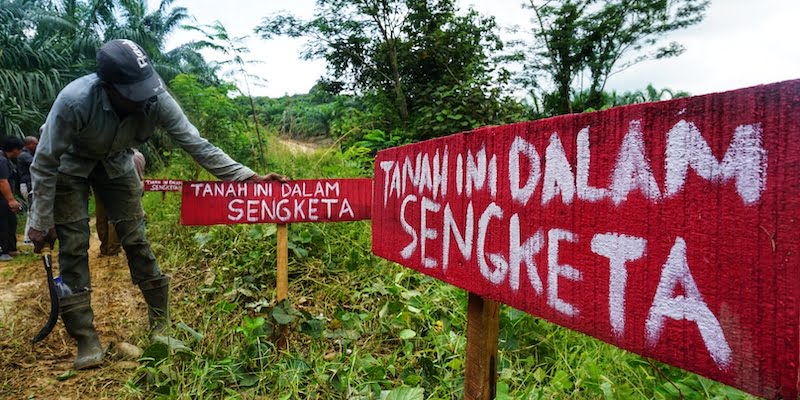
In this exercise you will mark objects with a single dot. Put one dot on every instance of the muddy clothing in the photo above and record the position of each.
(85, 144)
(82, 132)
(8, 219)
(138, 164)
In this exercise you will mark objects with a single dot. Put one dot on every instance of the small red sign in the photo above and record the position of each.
(669, 229)
(162, 185)
(325, 200)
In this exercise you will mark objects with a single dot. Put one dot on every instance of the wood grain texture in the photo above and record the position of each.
(483, 328)
(669, 229)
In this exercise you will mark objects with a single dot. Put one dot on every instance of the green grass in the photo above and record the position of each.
(357, 327)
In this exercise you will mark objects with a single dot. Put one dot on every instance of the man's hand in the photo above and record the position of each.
(14, 206)
(270, 177)
(41, 239)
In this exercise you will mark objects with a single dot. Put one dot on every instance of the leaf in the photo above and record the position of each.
(312, 327)
(502, 391)
(406, 334)
(66, 375)
(409, 294)
(202, 238)
(539, 375)
(196, 335)
(172, 344)
(284, 313)
(248, 380)
(155, 353)
(255, 232)
(412, 379)
(405, 393)
(270, 230)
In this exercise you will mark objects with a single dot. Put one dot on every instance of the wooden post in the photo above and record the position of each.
(483, 329)
(282, 281)
(163, 197)
(283, 262)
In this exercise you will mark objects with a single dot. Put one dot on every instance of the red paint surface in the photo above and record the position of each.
(162, 185)
(324, 200)
(745, 259)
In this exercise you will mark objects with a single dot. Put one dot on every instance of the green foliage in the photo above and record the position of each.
(215, 115)
(357, 327)
(416, 62)
(29, 69)
(576, 41)
(304, 115)
(580, 101)
(44, 45)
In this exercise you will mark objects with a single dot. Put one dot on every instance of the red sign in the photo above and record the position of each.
(326, 200)
(162, 185)
(669, 229)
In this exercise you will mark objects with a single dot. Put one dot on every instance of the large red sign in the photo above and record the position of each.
(325, 200)
(162, 185)
(670, 229)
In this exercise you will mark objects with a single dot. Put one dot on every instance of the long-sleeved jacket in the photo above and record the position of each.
(82, 130)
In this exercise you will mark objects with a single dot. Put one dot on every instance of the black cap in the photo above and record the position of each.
(124, 64)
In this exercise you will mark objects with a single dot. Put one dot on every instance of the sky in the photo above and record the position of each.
(740, 43)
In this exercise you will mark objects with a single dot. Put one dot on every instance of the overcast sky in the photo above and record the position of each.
(740, 43)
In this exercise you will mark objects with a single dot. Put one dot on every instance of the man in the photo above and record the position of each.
(109, 241)
(24, 167)
(9, 206)
(87, 141)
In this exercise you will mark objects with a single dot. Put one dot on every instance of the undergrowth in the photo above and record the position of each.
(355, 326)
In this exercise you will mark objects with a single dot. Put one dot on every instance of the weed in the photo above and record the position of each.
(355, 326)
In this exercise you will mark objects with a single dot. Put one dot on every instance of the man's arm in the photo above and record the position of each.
(211, 157)
(5, 190)
(59, 131)
(5, 187)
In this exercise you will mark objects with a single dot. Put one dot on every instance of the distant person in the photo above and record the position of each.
(90, 130)
(109, 241)
(9, 206)
(24, 169)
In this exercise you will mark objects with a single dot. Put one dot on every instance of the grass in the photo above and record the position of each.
(356, 326)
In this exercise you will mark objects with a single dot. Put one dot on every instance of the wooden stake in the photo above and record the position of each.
(483, 329)
(283, 262)
(282, 281)
(163, 197)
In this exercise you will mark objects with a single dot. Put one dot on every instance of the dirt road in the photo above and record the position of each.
(31, 371)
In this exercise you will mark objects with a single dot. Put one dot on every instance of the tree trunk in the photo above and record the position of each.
(400, 96)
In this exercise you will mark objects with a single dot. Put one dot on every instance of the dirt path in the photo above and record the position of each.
(297, 147)
(31, 371)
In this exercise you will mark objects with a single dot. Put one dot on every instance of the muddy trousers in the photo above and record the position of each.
(109, 243)
(122, 197)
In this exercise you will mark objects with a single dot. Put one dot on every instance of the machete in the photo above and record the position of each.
(47, 259)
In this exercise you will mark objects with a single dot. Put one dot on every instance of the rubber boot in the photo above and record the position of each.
(156, 295)
(78, 317)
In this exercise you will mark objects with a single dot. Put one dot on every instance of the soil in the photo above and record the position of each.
(299, 147)
(32, 371)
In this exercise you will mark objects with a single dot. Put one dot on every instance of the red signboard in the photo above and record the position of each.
(670, 229)
(325, 200)
(162, 185)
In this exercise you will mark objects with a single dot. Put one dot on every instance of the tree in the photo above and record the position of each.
(353, 36)
(45, 44)
(578, 41)
(413, 61)
(29, 68)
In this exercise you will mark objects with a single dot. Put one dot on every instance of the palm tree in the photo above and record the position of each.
(29, 68)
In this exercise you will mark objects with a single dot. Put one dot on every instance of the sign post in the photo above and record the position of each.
(163, 186)
(668, 229)
(483, 329)
(324, 200)
(283, 262)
